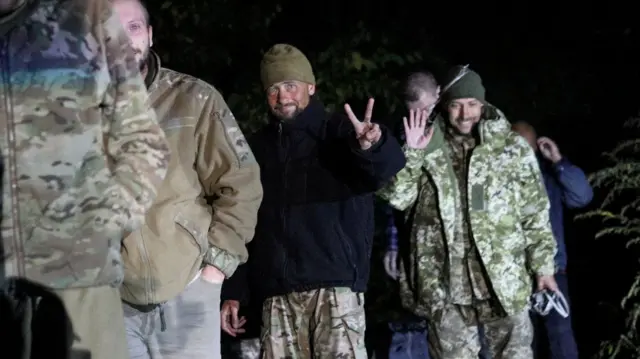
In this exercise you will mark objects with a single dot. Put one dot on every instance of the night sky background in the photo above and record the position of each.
(568, 68)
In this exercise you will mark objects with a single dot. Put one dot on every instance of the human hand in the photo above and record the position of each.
(391, 264)
(212, 275)
(547, 282)
(367, 133)
(229, 320)
(416, 134)
(549, 149)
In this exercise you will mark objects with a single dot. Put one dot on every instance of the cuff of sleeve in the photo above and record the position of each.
(414, 156)
(560, 165)
(355, 145)
(223, 260)
(548, 269)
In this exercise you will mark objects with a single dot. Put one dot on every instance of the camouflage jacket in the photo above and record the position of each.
(508, 211)
(83, 152)
(211, 160)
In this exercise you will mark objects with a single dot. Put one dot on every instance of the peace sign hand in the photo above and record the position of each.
(414, 129)
(367, 133)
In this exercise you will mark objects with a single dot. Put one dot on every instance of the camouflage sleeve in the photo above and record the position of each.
(534, 214)
(136, 146)
(230, 174)
(402, 190)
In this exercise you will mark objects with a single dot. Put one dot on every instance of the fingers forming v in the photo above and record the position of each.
(369, 111)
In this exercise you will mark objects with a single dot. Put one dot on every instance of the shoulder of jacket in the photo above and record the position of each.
(171, 80)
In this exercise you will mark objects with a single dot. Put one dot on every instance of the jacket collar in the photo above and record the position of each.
(153, 68)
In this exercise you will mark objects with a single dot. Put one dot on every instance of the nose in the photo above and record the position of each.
(465, 111)
(282, 97)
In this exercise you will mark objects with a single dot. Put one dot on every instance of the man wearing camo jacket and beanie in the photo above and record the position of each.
(309, 261)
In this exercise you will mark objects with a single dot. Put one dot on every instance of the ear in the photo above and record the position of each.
(150, 35)
(311, 89)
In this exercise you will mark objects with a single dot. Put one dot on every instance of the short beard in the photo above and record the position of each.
(280, 116)
(458, 132)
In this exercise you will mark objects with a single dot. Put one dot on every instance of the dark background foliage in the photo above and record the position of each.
(569, 69)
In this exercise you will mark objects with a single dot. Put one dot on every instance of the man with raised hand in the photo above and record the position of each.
(480, 232)
(309, 263)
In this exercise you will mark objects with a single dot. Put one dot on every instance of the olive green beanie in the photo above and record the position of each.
(469, 86)
(283, 62)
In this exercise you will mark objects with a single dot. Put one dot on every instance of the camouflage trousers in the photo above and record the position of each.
(450, 337)
(321, 323)
(244, 349)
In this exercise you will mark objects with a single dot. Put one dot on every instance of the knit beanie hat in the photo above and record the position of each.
(283, 62)
(469, 86)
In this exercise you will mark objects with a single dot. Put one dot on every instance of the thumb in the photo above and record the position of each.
(385, 262)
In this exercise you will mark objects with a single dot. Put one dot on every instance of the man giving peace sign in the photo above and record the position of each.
(309, 261)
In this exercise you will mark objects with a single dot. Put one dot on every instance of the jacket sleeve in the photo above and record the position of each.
(534, 219)
(379, 163)
(576, 189)
(402, 191)
(137, 150)
(392, 230)
(230, 174)
(236, 287)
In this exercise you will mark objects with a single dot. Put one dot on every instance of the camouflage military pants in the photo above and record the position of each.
(322, 323)
(243, 349)
(507, 338)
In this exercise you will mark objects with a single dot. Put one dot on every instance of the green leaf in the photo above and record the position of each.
(356, 60)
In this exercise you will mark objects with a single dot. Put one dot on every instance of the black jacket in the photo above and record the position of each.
(315, 224)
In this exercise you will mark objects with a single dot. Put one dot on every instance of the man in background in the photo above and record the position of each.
(195, 234)
(83, 157)
(409, 335)
(568, 186)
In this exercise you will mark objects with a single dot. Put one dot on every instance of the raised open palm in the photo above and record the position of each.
(416, 134)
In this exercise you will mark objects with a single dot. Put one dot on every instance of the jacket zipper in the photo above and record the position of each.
(283, 208)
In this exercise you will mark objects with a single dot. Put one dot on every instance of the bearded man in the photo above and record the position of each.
(196, 232)
(480, 230)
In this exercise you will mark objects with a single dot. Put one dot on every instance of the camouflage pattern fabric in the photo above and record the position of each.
(321, 323)
(468, 280)
(508, 216)
(83, 152)
(244, 349)
(508, 338)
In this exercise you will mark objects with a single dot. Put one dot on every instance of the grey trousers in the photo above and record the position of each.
(186, 327)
